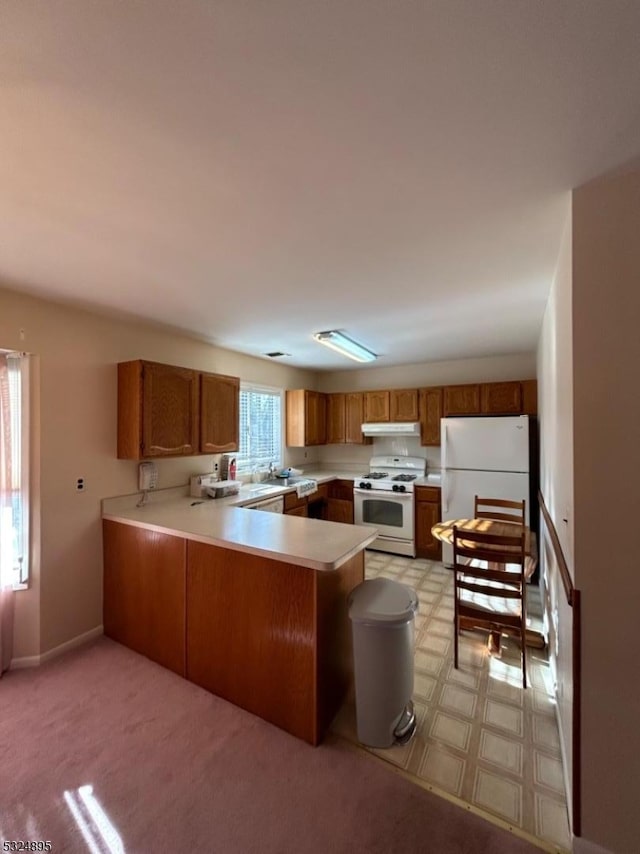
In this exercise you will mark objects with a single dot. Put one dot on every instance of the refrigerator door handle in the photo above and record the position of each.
(445, 495)
(444, 444)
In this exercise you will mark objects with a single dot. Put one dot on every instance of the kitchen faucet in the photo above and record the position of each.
(272, 468)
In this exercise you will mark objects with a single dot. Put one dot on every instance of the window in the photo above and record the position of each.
(14, 469)
(260, 428)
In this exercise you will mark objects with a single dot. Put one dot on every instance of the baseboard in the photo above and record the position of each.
(583, 846)
(35, 660)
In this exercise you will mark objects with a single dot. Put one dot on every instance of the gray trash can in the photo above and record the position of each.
(382, 622)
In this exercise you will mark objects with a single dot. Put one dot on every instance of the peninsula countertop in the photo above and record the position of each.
(224, 522)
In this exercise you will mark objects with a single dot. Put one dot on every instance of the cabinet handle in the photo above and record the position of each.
(161, 448)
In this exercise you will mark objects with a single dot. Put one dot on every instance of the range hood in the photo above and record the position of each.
(390, 428)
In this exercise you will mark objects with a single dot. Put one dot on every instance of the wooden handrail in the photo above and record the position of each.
(573, 598)
(565, 575)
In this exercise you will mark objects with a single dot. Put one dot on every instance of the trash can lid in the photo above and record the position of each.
(381, 600)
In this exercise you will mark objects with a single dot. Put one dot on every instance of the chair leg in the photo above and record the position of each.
(523, 642)
(456, 630)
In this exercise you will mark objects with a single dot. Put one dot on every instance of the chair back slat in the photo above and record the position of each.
(485, 508)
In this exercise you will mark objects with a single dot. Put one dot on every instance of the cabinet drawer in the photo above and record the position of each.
(428, 493)
(291, 501)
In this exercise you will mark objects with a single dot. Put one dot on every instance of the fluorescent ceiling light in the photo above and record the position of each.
(341, 344)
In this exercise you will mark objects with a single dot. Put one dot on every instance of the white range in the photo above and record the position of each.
(384, 497)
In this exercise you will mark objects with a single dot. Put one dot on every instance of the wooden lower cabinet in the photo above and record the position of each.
(427, 515)
(303, 510)
(271, 637)
(144, 592)
(340, 510)
(340, 501)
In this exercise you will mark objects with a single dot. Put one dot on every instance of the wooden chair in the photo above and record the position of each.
(485, 596)
(501, 509)
(505, 510)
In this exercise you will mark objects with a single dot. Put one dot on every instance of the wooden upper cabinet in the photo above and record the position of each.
(219, 413)
(354, 418)
(462, 400)
(377, 406)
(345, 414)
(501, 398)
(430, 406)
(529, 397)
(306, 413)
(167, 411)
(336, 415)
(316, 406)
(404, 404)
(158, 410)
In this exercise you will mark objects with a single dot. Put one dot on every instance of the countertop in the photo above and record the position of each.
(311, 543)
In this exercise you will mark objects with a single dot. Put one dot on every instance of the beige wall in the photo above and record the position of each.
(75, 425)
(515, 366)
(555, 403)
(606, 356)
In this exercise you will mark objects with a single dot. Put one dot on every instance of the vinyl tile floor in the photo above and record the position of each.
(481, 738)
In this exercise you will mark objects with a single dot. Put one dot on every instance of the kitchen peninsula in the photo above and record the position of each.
(251, 606)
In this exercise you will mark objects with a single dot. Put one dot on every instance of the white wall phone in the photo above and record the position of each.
(147, 476)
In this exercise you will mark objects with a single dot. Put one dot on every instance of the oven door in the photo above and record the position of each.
(390, 512)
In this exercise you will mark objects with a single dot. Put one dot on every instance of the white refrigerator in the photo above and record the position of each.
(488, 457)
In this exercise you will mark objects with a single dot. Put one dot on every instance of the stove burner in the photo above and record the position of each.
(376, 475)
(405, 477)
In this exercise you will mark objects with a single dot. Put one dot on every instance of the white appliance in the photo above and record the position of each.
(270, 505)
(391, 428)
(384, 497)
(488, 457)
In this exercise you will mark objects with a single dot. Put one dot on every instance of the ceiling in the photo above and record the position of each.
(254, 172)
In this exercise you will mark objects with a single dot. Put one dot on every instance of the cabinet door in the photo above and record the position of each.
(430, 415)
(529, 397)
(315, 418)
(376, 406)
(144, 592)
(354, 418)
(219, 413)
(427, 515)
(462, 400)
(335, 419)
(292, 502)
(170, 416)
(340, 510)
(501, 398)
(404, 404)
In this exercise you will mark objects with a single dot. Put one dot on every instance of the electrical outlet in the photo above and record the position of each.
(80, 484)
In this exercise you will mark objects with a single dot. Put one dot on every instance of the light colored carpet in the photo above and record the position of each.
(480, 737)
(104, 751)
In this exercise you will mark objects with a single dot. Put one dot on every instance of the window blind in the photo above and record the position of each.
(14, 473)
(260, 428)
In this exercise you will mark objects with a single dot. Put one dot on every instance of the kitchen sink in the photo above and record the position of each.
(283, 482)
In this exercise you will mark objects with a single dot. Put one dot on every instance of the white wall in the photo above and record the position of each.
(606, 356)
(555, 403)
